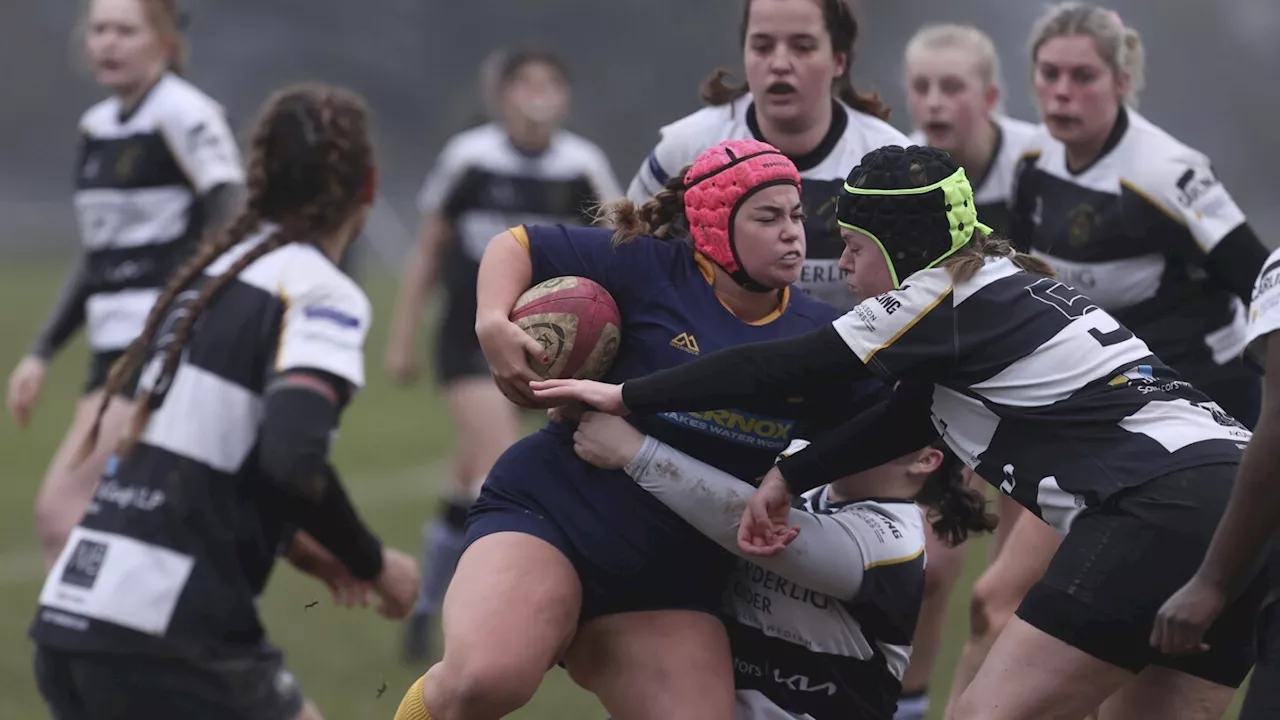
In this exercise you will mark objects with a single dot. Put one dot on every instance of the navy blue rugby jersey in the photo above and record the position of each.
(671, 315)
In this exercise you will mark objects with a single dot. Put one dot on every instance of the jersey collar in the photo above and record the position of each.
(811, 159)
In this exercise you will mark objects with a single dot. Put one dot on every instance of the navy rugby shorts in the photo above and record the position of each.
(631, 552)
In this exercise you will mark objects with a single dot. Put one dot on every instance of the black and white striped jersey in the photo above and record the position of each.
(138, 178)
(852, 134)
(994, 193)
(824, 630)
(801, 654)
(483, 185)
(1264, 312)
(1133, 231)
(1039, 389)
(182, 534)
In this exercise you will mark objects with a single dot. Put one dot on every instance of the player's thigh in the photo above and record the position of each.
(510, 611)
(1030, 675)
(309, 711)
(656, 665)
(1001, 587)
(1163, 694)
(1122, 561)
(485, 422)
(1263, 698)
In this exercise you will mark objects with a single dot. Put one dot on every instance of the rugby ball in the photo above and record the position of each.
(576, 322)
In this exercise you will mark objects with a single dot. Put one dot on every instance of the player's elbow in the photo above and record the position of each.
(293, 465)
(293, 443)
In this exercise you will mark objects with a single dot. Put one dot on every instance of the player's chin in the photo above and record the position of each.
(784, 273)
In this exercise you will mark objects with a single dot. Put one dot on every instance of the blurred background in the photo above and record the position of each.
(636, 65)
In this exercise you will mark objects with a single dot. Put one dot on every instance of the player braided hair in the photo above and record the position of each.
(954, 510)
(842, 27)
(310, 165)
(661, 216)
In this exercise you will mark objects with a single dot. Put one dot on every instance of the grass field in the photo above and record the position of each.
(393, 451)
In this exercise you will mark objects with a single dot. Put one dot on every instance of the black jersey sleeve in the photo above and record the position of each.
(899, 425)
(67, 315)
(757, 377)
(300, 414)
(1237, 260)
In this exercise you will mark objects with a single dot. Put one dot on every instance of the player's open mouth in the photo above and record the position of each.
(937, 127)
(781, 88)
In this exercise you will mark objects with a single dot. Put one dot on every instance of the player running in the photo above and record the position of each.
(1045, 396)
(1243, 537)
(521, 168)
(567, 562)
(954, 92)
(157, 168)
(250, 354)
(798, 56)
(823, 631)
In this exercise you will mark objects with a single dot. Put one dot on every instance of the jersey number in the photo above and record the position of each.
(1066, 300)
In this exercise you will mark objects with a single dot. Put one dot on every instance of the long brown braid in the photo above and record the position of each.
(310, 166)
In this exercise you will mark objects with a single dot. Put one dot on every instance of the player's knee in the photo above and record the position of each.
(489, 687)
(990, 608)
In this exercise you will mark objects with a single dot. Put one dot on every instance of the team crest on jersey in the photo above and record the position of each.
(127, 161)
(1080, 224)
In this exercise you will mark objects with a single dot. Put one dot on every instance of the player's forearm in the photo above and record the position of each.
(67, 314)
(506, 270)
(419, 278)
(1253, 512)
(823, 557)
(758, 377)
(708, 499)
(882, 433)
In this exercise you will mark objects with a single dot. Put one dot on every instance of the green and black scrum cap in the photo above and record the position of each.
(915, 202)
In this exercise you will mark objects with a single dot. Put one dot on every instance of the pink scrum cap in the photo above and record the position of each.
(721, 179)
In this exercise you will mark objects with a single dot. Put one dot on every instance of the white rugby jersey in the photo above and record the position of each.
(993, 196)
(182, 534)
(484, 185)
(823, 630)
(139, 176)
(1264, 312)
(1132, 231)
(1039, 389)
(851, 136)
